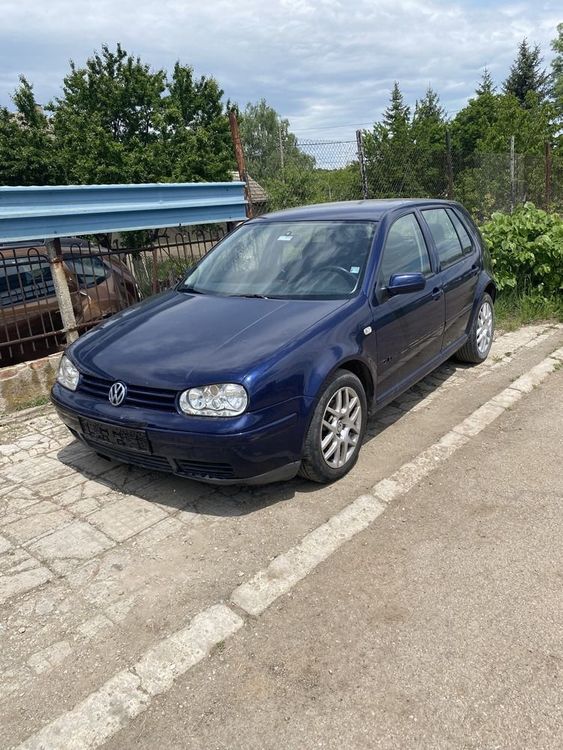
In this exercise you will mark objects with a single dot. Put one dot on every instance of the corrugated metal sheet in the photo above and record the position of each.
(28, 213)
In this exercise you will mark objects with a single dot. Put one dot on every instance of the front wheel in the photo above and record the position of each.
(336, 430)
(478, 346)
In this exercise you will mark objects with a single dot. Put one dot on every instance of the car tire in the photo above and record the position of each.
(478, 346)
(327, 458)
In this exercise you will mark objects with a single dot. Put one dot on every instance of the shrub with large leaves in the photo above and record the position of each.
(527, 250)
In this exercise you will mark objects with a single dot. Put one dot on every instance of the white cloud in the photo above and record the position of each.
(321, 63)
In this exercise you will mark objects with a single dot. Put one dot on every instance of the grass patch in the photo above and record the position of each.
(513, 311)
(32, 403)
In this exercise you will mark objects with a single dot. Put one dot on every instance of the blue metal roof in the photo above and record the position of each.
(60, 211)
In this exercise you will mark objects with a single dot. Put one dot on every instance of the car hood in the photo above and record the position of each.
(177, 339)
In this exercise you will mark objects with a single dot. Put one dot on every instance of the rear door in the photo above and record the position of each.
(408, 327)
(459, 268)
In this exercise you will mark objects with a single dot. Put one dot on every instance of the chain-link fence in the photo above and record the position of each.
(317, 171)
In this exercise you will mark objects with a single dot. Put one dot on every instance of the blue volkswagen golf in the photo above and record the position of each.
(267, 358)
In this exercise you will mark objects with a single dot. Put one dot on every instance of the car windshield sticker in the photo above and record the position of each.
(285, 238)
(355, 269)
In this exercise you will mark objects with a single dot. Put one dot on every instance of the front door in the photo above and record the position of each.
(408, 327)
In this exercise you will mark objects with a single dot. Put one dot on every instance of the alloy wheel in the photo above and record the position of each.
(484, 327)
(341, 427)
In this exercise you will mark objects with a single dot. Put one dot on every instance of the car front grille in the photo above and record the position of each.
(160, 399)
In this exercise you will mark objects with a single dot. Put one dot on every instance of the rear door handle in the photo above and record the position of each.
(436, 293)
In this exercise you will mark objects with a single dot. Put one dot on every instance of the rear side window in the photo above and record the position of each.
(24, 281)
(89, 270)
(444, 235)
(405, 250)
(464, 238)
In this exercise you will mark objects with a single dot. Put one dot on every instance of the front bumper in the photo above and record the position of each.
(255, 448)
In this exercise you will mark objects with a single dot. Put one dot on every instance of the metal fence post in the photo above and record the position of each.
(362, 163)
(62, 291)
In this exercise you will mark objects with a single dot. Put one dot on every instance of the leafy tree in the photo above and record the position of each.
(119, 121)
(472, 122)
(557, 70)
(27, 150)
(269, 146)
(486, 84)
(389, 151)
(429, 134)
(526, 74)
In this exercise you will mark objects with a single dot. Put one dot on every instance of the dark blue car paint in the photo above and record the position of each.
(282, 351)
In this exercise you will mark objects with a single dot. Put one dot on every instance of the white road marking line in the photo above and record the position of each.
(255, 595)
(128, 693)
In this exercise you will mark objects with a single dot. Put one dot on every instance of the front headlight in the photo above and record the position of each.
(223, 400)
(67, 374)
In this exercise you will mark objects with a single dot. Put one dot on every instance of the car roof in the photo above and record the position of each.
(373, 210)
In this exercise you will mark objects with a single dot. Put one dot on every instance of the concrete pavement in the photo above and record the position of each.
(103, 563)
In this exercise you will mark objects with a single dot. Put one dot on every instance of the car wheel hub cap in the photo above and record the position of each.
(484, 327)
(341, 427)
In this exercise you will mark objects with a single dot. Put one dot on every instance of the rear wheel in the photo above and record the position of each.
(336, 431)
(478, 346)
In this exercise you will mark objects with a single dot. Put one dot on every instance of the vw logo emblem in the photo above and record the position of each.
(117, 393)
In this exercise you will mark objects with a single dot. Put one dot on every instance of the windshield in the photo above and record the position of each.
(300, 260)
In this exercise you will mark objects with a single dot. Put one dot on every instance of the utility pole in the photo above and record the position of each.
(241, 164)
(362, 163)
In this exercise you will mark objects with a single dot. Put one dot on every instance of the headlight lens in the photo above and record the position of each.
(223, 400)
(67, 374)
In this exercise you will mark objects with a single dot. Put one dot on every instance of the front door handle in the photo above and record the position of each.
(436, 292)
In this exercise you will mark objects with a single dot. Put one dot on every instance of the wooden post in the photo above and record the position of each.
(512, 174)
(241, 164)
(62, 291)
(548, 165)
(449, 166)
(362, 163)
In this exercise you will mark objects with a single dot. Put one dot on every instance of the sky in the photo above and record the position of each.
(326, 65)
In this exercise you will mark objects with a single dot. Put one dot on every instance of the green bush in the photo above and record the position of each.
(527, 251)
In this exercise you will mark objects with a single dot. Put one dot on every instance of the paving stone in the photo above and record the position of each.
(84, 507)
(126, 517)
(77, 540)
(18, 583)
(49, 657)
(36, 471)
(13, 559)
(95, 625)
(4, 544)
(35, 525)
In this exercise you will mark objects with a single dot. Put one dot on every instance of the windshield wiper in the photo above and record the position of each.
(190, 290)
(251, 296)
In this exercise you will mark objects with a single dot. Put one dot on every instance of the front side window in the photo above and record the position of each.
(444, 235)
(287, 260)
(405, 250)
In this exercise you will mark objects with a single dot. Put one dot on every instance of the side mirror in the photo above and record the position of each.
(404, 283)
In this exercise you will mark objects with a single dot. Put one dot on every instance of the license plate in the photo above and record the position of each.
(122, 437)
